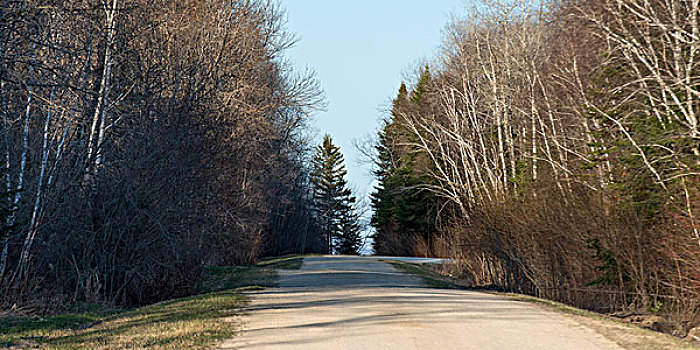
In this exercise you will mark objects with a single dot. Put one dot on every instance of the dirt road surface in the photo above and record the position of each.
(364, 304)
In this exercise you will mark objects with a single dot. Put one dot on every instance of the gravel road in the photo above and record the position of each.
(360, 303)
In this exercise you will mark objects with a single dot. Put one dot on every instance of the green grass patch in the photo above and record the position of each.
(190, 323)
(289, 262)
(220, 278)
(429, 276)
(197, 322)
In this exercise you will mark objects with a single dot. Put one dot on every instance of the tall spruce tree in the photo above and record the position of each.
(350, 239)
(403, 212)
(386, 240)
(334, 200)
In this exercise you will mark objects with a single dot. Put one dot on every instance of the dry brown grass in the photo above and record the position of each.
(190, 323)
(197, 322)
(628, 336)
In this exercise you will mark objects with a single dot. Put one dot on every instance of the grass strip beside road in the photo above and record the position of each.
(430, 277)
(196, 322)
(190, 323)
(289, 262)
(220, 278)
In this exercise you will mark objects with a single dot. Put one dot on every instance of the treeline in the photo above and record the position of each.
(555, 149)
(143, 140)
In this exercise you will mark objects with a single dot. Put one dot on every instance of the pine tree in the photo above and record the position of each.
(419, 91)
(403, 211)
(334, 200)
(384, 220)
(349, 239)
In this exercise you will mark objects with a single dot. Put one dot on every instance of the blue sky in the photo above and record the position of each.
(361, 50)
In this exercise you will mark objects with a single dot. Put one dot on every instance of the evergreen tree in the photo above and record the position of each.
(403, 212)
(421, 87)
(334, 200)
(384, 220)
(349, 240)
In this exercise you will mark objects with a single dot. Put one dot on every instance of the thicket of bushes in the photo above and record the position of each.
(143, 140)
(557, 146)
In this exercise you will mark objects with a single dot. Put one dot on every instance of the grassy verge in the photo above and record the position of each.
(290, 262)
(220, 278)
(189, 323)
(626, 335)
(196, 322)
(429, 276)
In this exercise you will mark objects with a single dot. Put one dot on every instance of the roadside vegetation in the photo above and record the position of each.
(190, 323)
(220, 278)
(261, 275)
(145, 140)
(289, 262)
(629, 335)
(428, 273)
(196, 322)
(552, 148)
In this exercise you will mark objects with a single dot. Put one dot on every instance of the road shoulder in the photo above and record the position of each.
(626, 335)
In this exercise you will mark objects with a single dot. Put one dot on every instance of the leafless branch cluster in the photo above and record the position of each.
(564, 137)
(146, 139)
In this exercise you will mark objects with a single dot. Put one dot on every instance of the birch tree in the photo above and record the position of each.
(563, 135)
(143, 140)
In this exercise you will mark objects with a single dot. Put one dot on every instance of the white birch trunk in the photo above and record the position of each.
(23, 165)
(95, 155)
(33, 225)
